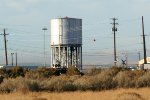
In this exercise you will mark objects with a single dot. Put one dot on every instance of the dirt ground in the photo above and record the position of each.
(119, 94)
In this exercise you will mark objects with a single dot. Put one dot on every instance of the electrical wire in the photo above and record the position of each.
(17, 34)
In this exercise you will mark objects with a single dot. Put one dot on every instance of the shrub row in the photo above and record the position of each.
(37, 73)
(95, 81)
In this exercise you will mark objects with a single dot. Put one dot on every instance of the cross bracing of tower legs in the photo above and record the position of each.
(66, 56)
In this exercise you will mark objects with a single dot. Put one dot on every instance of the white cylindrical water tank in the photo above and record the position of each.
(66, 31)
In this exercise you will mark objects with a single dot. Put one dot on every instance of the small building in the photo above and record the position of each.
(141, 63)
(1, 66)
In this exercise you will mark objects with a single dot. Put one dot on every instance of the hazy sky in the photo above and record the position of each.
(24, 20)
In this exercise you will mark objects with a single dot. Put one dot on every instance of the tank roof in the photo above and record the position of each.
(67, 18)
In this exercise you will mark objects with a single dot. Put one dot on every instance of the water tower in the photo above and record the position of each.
(66, 42)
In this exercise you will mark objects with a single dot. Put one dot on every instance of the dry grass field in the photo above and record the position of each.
(119, 94)
(42, 84)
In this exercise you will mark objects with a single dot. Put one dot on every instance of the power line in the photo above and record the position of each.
(24, 45)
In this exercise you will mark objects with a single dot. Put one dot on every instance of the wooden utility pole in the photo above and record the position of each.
(5, 43)
(126, 60)
(44, 29)
(139, 55)
(12, 59)
(144, 43)
(16, 59)
(114, 29)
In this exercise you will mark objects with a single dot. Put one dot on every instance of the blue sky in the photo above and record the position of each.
(24, 20)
